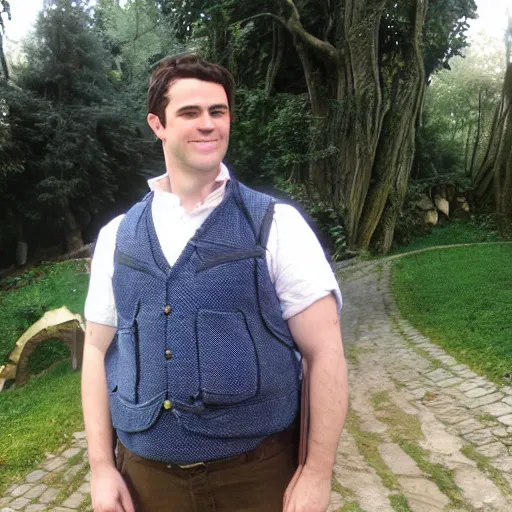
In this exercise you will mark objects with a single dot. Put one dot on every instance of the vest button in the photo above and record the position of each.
(167, 404)
(167, 309)
(168, 354)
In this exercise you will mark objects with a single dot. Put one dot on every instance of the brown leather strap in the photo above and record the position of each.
(304, 415)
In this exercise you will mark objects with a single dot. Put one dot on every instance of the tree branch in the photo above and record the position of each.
(295, 27)
(250, 18)
(330, 21)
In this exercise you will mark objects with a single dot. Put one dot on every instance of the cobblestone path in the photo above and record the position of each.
(60, 484)
(424, 434)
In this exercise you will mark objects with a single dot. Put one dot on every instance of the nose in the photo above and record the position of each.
(206, 123)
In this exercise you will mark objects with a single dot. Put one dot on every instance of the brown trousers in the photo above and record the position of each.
(252, 482)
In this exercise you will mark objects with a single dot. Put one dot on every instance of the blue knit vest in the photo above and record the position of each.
(203, 365)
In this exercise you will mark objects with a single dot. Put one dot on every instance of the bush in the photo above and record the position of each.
(269, 137)
(269, 150)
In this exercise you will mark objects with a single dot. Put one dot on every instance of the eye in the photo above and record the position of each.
(218, 113)
(189, 115)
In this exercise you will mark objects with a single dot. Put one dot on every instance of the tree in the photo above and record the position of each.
(365, 64)
(19, 146)
(138, 36)
(68, 64)
(494, 177)
(502, 165)
(79, 153)
(459, 108)
(67, 69)
(4, 9)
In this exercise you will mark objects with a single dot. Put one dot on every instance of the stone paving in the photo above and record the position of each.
(424, 434)
(59, 484)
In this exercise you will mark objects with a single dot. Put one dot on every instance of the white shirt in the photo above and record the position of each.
(298, 269)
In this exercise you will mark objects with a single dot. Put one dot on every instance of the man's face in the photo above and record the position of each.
(196, 132)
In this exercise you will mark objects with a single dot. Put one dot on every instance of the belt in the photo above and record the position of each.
(190, 466)
(271, 445)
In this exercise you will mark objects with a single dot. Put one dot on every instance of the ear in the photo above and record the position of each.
(156, 126)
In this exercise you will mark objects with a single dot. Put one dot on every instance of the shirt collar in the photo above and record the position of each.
(223, 176)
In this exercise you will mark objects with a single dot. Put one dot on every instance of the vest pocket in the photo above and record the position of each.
(216, 259)
(127, 364)
(228, 362)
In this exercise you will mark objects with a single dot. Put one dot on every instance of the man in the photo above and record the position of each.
(202, 300)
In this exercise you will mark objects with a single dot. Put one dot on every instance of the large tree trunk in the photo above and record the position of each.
(502, 168)
(346, 103)
(72, 230)
(397, 145)
(320, 172)
(365, 114)
(483, 179)
(467, 150)
(494, 178)
(384, 232)
(366, 106)
(4, 70)
(393, 163)
(477, 137)
(276, 58)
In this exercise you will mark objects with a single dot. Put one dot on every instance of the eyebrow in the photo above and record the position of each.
(220, 106)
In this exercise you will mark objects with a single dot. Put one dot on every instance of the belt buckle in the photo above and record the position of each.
(190, 466)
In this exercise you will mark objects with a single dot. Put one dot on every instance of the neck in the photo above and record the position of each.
(192, 187)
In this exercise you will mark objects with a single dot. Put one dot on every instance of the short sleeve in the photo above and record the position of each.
(297, 264)
(100, 306)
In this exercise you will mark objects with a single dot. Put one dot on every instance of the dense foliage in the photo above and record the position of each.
(68, 148)
(333, 110)
(460, 106)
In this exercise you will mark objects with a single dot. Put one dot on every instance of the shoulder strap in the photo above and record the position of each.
(258, 208)
(266, 224)
(132, 217)
(148, 196)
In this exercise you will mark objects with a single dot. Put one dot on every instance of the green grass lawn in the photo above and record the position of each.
(42, 415)
(37, 418)
(457, 232)
(461, 298)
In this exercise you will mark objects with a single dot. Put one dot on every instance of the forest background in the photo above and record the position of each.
(361, 112)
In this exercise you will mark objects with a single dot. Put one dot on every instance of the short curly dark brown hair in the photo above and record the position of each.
(185, 66)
